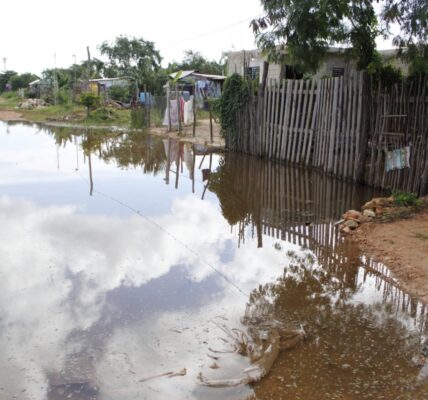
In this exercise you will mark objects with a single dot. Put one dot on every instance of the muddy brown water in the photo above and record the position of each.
(122, 256)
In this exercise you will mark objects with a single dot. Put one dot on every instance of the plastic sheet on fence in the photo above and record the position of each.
(397, 159)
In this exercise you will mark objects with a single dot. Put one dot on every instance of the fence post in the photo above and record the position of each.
(365, 126)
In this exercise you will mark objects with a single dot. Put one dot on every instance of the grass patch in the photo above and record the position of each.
(9, 100)
(49, 113)
(109, 116)
(406, 199)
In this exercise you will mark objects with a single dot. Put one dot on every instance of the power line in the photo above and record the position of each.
(188, 248)
(180, 242)
(215, 31)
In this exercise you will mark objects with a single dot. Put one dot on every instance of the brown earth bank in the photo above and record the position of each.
(401, 244)
(8, 115)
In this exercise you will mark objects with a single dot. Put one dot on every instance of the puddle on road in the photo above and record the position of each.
(126, 259)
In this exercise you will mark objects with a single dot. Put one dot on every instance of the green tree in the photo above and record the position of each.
(306, 28)
(194, 60)
(90, 101)
(21, 81)
(133, 58)
(5, 78)
(412, 18)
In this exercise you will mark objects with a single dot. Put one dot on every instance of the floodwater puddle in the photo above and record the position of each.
(139, 267)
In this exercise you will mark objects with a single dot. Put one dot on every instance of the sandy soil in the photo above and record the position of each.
(8, 115)
(202, 134)
(402, 245)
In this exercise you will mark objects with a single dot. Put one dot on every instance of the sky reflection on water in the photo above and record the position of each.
(99, 292)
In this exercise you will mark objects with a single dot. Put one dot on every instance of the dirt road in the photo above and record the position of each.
(402, 245)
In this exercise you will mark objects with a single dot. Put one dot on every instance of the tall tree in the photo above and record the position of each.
(194, 60)
(306, 28)
(134, 58)
(412, 18)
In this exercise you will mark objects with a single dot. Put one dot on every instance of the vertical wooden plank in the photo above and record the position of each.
(311, 149)
(288, 103)
(293, 113)
(358, 132)
(275, 118)
(307, 110)
(332, 133)
(297, 132)
(268, 114)
(336, 161)
(281, 120)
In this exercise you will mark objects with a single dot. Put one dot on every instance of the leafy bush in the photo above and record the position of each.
(119, 93)
(386, 74)
(102, 114)
(235, 96)
(405, 199)
(64, 97)
(90, 100)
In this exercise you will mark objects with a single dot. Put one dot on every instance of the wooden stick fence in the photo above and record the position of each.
(341, 126)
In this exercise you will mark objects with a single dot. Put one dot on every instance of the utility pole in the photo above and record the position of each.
(73, 88)
(89, 62)
(4, 64)
(55, 82)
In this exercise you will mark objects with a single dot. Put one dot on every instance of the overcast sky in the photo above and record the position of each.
(33, 32)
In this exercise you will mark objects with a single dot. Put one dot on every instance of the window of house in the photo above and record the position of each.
(337, 71)
(252, 72)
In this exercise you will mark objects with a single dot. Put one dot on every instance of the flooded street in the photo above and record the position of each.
(134, 268)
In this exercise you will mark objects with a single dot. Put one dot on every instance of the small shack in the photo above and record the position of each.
(103, 85)
(191, 90)
(38, 88)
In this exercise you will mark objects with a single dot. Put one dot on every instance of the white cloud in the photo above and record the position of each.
(59, 266)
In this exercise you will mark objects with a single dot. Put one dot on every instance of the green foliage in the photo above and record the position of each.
(138, 118)
(64, 97)
(90, 101)
(412, 18)
(133, 58)
(235, 96)
(387, 74)
(308, 27)
(5, 78)
(102, 114)
(193, 60)
(405, 199)
(120, 93)
(21, 81)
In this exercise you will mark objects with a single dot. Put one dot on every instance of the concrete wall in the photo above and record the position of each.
(253, 58)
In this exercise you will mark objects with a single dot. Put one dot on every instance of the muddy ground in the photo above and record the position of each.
(202, 136)
(8, 115)
(402, 245)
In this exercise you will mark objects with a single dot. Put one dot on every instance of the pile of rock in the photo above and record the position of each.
(29, 104)
(375, 208)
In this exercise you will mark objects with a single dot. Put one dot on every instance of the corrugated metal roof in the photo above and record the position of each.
(197, 76)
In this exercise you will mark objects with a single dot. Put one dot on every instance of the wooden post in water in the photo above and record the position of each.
(211, 124)
(178, 108)
(168, 105)
(193, 168)
(168, 162)
(146, 111)
(194, 110)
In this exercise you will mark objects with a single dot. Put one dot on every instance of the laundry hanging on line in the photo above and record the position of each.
(186, 112)
(397, 159)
